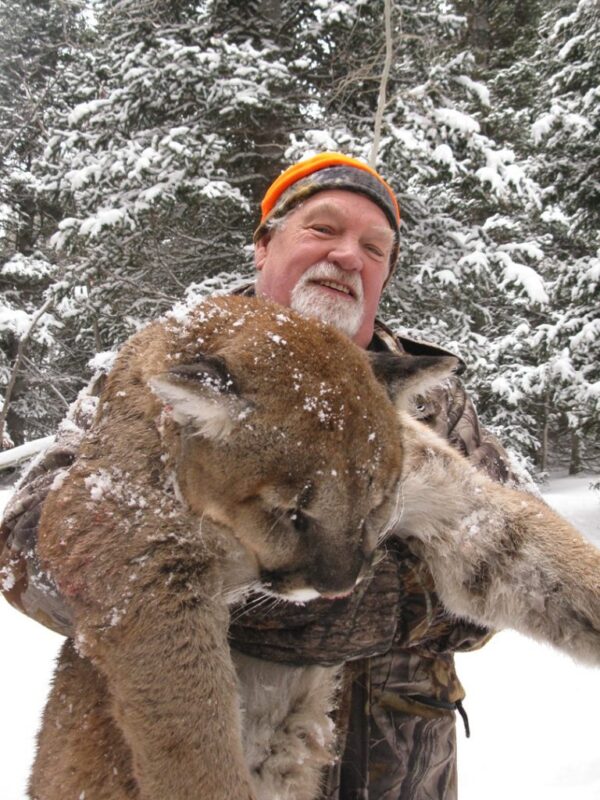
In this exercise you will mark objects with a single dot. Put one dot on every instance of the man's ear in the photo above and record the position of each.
(203, 394)
(406, 376)
(260, 250)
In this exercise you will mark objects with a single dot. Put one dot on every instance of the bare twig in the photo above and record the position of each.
(381, 100)
(44, 378)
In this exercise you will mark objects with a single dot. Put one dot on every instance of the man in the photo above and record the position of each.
(326, 246)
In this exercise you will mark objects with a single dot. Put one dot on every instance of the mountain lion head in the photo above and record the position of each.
(278, 431)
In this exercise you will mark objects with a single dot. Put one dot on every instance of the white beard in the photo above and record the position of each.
(311, 301)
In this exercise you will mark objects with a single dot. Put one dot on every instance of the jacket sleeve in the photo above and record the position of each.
(449, 411)
(23, 581)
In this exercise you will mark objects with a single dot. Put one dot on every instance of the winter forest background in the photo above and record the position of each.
(138, 136)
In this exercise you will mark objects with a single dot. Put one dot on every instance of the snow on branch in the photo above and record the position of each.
(14, 456)
(525, 277)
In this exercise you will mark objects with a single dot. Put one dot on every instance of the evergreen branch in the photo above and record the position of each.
(41, 102)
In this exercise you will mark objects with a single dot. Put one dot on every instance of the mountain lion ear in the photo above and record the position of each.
(407, 376)
(203, 394)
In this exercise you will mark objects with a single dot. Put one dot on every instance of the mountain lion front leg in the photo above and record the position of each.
(175, 699)
(145, 590)
(145, 724)
(498, 555)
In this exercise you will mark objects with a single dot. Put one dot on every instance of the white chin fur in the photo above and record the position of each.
(301, 595)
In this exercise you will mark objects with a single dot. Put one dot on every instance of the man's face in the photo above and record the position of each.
(330, 260)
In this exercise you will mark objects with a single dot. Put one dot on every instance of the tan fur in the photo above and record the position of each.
(498, 555)
(244, 463)
(265, 454)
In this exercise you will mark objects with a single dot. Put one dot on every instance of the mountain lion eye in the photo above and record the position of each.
(299, 520)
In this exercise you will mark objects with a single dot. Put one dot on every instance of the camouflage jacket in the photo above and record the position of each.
(392, 628)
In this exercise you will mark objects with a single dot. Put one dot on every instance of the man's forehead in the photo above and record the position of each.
(318, 206)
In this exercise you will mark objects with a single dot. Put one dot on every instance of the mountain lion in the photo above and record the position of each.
(242, 447)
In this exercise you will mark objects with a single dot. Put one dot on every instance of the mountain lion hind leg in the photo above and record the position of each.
(81, 752)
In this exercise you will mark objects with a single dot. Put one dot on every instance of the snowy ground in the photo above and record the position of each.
(534, 713)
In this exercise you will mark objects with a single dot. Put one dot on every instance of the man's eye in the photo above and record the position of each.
(376, 249)
(319, 228)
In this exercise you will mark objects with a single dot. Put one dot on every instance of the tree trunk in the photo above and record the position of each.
(575, 464)
(15, 382)
(543, 454)
(479, 34)
(271, 9)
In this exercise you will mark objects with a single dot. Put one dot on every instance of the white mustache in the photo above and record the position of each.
(326, 271)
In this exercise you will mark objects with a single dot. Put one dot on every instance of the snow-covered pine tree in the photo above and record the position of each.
(502, 38)
(36, 42)
(469, 272)
(185, 110)
(156, 154)
(160, 164)
(566, 139)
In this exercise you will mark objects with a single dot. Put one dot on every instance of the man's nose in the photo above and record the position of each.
(345, 253)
